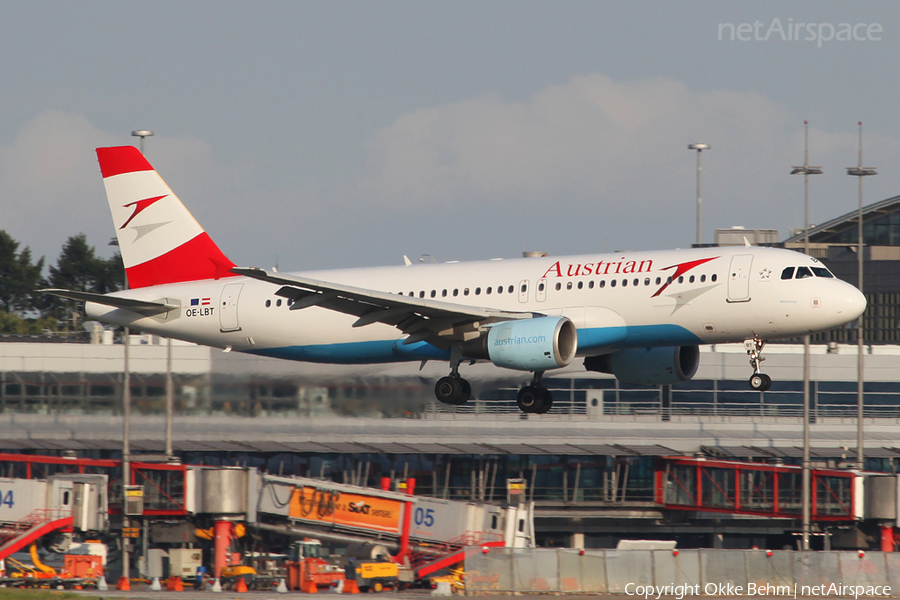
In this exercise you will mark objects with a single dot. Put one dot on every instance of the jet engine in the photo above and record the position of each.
(648, 366)
(535, 344)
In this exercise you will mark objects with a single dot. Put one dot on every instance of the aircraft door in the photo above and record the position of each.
(739, 278)
(228, 307)
(523, 291)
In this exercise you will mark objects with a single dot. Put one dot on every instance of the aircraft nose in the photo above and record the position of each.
(853, 304)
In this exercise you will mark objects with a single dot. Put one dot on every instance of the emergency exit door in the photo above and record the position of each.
(739, 278)
(228, 307)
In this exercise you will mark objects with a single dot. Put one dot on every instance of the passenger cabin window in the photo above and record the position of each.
(803, 272)
(822, 272)
(788, 273)
(510, 290)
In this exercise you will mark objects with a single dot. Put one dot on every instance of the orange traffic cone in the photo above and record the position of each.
(173, 584)
(350, 586)
(241, 585)
(124, 585)
(309, 587)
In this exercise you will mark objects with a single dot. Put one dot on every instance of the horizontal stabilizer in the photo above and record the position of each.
(139, 306)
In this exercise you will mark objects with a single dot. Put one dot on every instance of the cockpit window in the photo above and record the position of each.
(788, 273)
(822, 272)
(803, 272)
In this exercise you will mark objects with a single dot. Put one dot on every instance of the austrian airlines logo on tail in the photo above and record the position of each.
(681, 269)
(139, 207)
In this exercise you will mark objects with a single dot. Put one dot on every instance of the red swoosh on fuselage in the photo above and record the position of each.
(680, 270)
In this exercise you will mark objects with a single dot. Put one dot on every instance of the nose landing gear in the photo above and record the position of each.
(758, 381)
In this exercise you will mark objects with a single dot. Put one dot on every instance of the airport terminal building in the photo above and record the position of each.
(595, 465)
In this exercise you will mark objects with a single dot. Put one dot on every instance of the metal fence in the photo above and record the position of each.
(693, 401)
(682, 573)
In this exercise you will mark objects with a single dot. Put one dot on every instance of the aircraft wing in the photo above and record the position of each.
(422, 319)
(139, 306)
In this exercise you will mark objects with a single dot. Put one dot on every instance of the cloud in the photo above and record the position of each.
(51, 184)
(608, 149)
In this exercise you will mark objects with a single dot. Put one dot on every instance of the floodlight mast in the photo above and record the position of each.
(859, 171)
(806, 170)
(699, 148)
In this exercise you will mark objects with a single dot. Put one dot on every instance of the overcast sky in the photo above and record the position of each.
(331, 133)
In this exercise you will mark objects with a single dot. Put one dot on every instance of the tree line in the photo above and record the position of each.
(24, 310)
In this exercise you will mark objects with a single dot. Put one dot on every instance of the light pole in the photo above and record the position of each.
(126, 430)
(142, 133)
(170, 388)
(859, 171)
(806, 171)
(699, 148)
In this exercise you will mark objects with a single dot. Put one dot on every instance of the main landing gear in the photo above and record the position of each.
(455, 390)
(535, 398)
(758, 381)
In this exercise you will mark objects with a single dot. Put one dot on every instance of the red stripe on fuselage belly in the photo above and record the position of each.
(197, 259)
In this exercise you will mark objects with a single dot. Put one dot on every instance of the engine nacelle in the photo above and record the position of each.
(527, 345)
(648, 366)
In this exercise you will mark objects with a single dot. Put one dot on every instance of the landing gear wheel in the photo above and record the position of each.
(760, 381)
(531, 399)
(547, 403)
(452, 390)
(465, 392)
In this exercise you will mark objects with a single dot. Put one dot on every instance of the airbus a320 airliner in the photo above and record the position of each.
(639, 315)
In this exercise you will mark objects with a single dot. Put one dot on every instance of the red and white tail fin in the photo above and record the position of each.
(159, 238)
